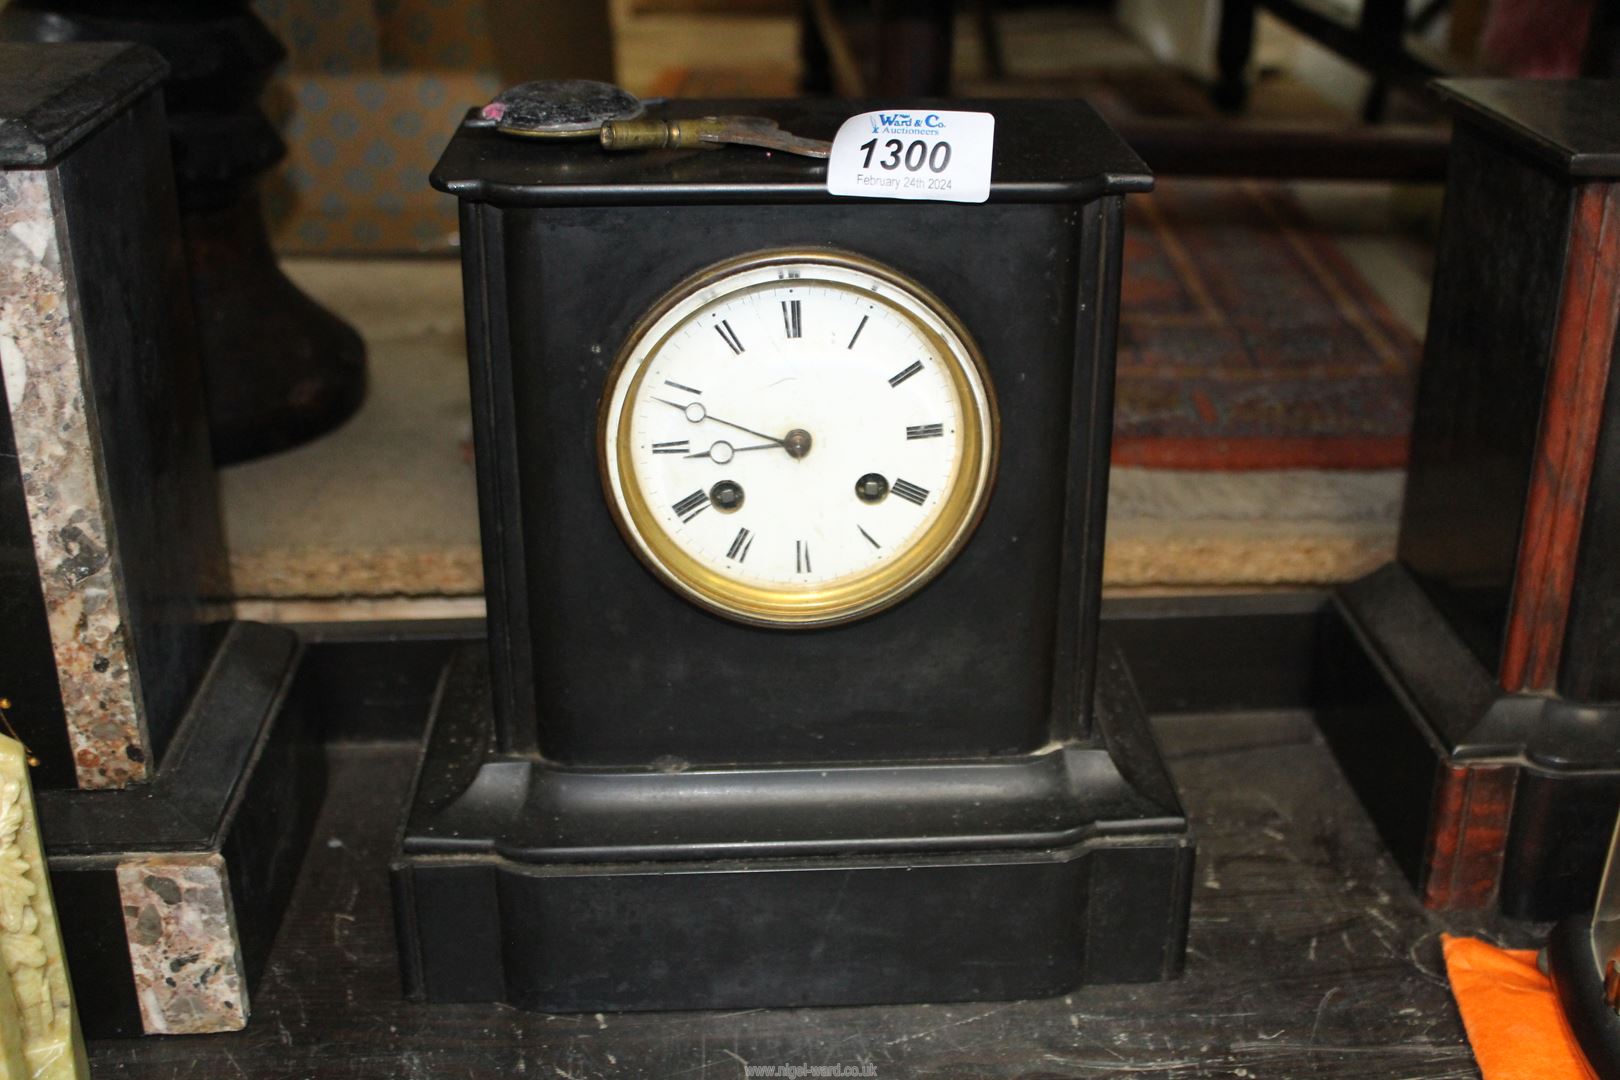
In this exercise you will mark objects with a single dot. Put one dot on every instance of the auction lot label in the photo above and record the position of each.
(913, 154)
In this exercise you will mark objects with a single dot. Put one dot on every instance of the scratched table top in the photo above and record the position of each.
(1308, 956)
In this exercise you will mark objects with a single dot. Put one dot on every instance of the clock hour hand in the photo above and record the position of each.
(722, 451)
(696, 413)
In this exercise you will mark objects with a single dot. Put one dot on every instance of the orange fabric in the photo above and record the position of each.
(1511, 1012)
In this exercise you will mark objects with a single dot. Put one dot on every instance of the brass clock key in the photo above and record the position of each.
(580, 108)
(707, 132)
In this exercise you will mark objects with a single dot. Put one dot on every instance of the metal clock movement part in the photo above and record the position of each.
(581, 108)
(560, 108)
(1583, 958)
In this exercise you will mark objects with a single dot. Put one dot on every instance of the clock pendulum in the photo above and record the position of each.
(792, 505)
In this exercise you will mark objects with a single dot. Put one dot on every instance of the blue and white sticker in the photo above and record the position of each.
(913, 154)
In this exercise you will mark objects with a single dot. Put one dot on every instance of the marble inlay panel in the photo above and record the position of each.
(52, 426)
(183, 944)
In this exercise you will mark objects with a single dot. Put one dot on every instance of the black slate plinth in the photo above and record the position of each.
(584, 890)
(1479, 717)
(177, 777)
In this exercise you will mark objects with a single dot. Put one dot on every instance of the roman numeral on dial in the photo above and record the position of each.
(857, 335)
(925, 431)
(679, 446)
(729, 336)
(801, 556)
(739, 546)
(909, 491)
(905, 373)
(790, 318)
(868, 536)
(691, 506)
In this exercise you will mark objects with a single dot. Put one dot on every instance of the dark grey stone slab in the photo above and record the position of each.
(1571, 124)
(52, 96)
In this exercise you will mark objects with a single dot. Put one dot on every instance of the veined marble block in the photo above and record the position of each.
(56, 454)
(183, 944)
(39, 1030)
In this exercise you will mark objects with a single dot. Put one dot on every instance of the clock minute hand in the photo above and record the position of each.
(774, 441)
(702, 414)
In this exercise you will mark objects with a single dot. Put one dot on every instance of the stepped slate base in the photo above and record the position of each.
(1486, 798)
(586, 890)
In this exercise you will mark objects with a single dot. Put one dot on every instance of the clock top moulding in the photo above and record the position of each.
(1045, 151)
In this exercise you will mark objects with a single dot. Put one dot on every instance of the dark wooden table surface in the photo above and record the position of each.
(1309, 956)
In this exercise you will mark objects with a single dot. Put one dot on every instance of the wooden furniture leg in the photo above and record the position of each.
(279, 368)
(1233, 50)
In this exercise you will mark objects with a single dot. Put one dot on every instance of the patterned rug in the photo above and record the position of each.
(1248, 341)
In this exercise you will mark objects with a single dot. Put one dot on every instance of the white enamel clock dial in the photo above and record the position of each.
(798, 438)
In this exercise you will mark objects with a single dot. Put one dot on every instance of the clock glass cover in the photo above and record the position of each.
(798, 438)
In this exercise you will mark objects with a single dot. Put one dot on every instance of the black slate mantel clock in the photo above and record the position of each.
(793, 513)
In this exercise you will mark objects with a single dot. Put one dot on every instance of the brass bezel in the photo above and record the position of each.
(867, 594)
